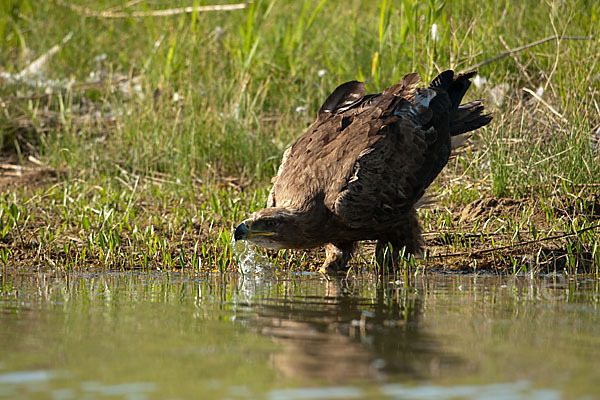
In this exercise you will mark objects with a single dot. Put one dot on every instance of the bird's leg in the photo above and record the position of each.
(403, 240)
(338, 256)
(389, 253)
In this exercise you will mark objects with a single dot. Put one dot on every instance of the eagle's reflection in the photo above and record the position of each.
(336, 331)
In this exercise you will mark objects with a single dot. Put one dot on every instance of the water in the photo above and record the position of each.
(248, 260)
(170, 336)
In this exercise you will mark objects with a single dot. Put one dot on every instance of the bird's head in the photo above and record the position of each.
(273, 228)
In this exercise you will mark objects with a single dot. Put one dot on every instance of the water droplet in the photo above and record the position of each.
(249, 262)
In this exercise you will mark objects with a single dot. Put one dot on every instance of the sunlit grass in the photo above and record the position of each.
(173, 126)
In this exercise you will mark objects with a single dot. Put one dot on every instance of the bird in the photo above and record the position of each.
(360, 171)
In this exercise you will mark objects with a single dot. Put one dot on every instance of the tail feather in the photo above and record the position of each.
(458, 88)
(455, 87)
(443, 80)
(468, 117)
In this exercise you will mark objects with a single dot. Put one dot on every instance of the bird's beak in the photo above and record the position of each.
(245, 231)
(241, 232)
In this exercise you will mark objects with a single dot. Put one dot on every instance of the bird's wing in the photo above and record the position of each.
(304, 165)
(318, 163)
(321, 162)
(343, 97)
(369, 158)
(391, 175)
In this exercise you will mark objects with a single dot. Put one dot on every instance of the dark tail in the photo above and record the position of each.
(466, 117)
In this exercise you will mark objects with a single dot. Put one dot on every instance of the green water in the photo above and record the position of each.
(140, 336)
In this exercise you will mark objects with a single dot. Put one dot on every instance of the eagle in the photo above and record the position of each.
(361, 169)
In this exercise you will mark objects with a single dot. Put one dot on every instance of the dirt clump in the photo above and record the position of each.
(489, 207)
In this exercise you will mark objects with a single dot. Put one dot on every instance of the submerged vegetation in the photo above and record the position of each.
(138, 141)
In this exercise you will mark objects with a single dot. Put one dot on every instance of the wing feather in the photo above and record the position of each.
(391, 178)
(343, 97)
(368, 159)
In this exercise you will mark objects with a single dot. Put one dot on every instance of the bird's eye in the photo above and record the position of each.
(270, 223)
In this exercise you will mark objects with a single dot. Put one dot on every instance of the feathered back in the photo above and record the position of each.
(368, 159)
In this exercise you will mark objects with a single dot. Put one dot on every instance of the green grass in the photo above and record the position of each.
(144, 181)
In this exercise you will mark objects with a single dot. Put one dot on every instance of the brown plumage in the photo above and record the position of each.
(361, 168)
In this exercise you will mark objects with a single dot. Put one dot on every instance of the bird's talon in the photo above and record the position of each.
(332, 270)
